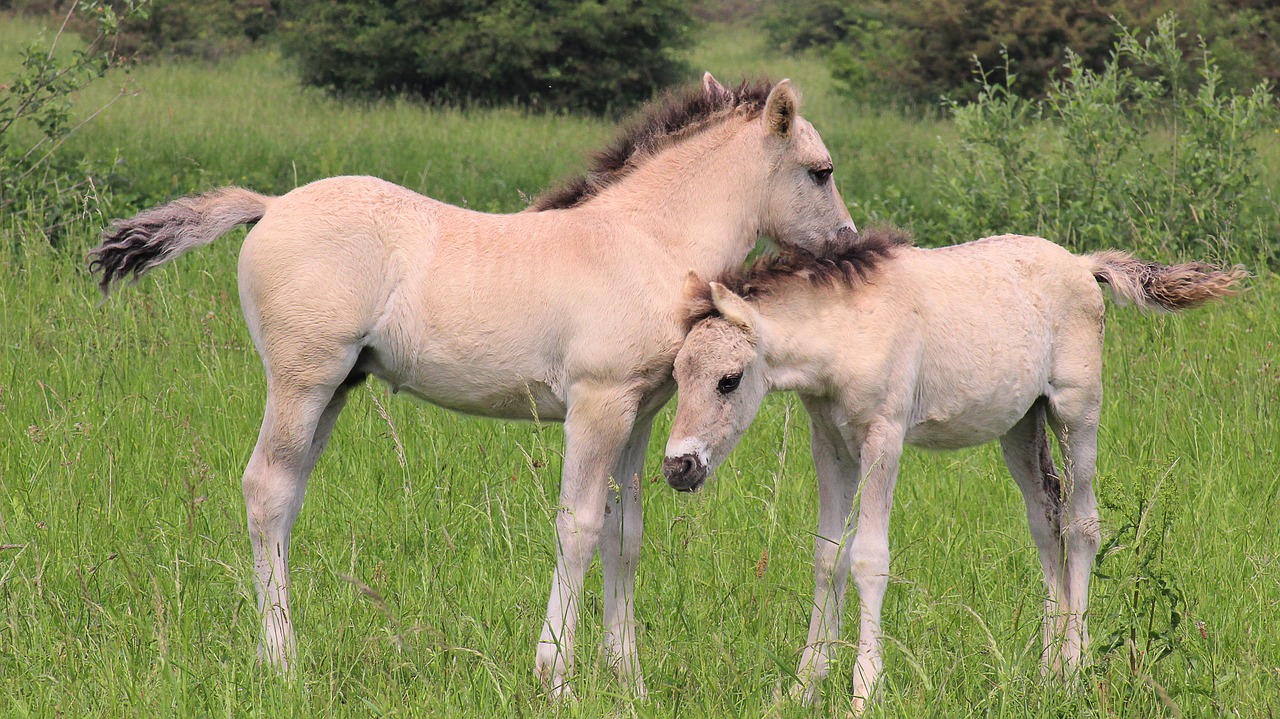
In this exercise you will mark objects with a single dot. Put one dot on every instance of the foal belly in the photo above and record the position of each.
(531, 400)
(973, 424)
(499, 390)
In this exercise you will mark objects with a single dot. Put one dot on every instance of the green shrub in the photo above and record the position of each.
(925, 50)
(804, 24)
(920, 51)
(205, 29)
(1131, 156)
(597, 55)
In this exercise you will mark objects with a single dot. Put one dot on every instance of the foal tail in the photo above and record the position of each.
(1152, 286)
(153, 237)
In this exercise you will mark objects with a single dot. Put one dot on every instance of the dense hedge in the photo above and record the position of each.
(597, 55)
(208, 29)
(925, 48)
(165, 29)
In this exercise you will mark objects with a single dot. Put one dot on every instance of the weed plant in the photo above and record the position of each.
(1128, 156)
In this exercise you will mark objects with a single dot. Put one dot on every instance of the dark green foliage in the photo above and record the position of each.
(206, 29)
(1243, 35)
(941, 37)
(725, 11)
(923, 50)
(802, 24)
(599, 56)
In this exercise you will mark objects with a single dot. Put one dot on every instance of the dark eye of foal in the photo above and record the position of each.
(820, 175)
(728, 383)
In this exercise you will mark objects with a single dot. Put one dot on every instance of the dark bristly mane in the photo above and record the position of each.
(767, 274)
(676, 116)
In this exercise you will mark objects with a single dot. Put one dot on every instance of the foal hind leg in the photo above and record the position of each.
(1074, 417)
(1027, 455)
(296, 426)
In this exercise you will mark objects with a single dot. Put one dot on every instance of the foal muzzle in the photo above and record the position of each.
(846, 237)
(685, 473)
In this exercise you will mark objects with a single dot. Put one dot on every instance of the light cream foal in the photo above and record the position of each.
(570, 311)
(891, 345)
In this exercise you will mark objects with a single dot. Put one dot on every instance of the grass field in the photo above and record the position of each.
(423, 556)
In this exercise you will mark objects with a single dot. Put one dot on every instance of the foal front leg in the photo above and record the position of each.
(597, 428)
(620, 555)
(880, 452)
(838, 474)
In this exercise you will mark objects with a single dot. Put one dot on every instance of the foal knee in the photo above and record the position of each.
(270, 495)
(1084, 535)
(579, 532)
(870, 569)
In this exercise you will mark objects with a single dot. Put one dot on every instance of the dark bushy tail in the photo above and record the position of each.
(153, 237)
(1152, 286)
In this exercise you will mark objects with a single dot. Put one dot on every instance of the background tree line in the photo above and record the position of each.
(598, 56)
(605, 56)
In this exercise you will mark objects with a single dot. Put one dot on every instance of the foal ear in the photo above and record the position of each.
(734, 309)
(780, 109)
(693, 286)
(710, 86)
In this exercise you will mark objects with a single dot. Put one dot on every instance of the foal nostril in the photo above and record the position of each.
(684, 473)
(847, 235)
(673, 468)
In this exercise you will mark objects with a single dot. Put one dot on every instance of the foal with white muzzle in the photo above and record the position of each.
(942, 349)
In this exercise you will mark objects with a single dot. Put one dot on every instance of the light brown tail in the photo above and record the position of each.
(1152, 286)
(155, 236)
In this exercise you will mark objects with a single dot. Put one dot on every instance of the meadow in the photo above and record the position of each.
(422, 557)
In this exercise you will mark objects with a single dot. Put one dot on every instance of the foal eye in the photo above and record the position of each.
(821, 175)
(728, 383)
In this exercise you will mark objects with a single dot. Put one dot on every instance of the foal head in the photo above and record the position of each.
(803, 208)
(721, 375)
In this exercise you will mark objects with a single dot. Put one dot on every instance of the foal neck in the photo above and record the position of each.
(702, 199)
(795, 339)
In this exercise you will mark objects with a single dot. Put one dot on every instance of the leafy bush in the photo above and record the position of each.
(925, 50)
(919, 51)
(804, 24)
(597, 55)
(40, 185)
(1132, 572)
(1129, 156)
(206, 29)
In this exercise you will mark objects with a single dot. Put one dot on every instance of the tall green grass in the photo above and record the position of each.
(423, 555)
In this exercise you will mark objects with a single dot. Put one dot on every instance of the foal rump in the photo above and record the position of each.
(1169, 288)
(155, 236)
